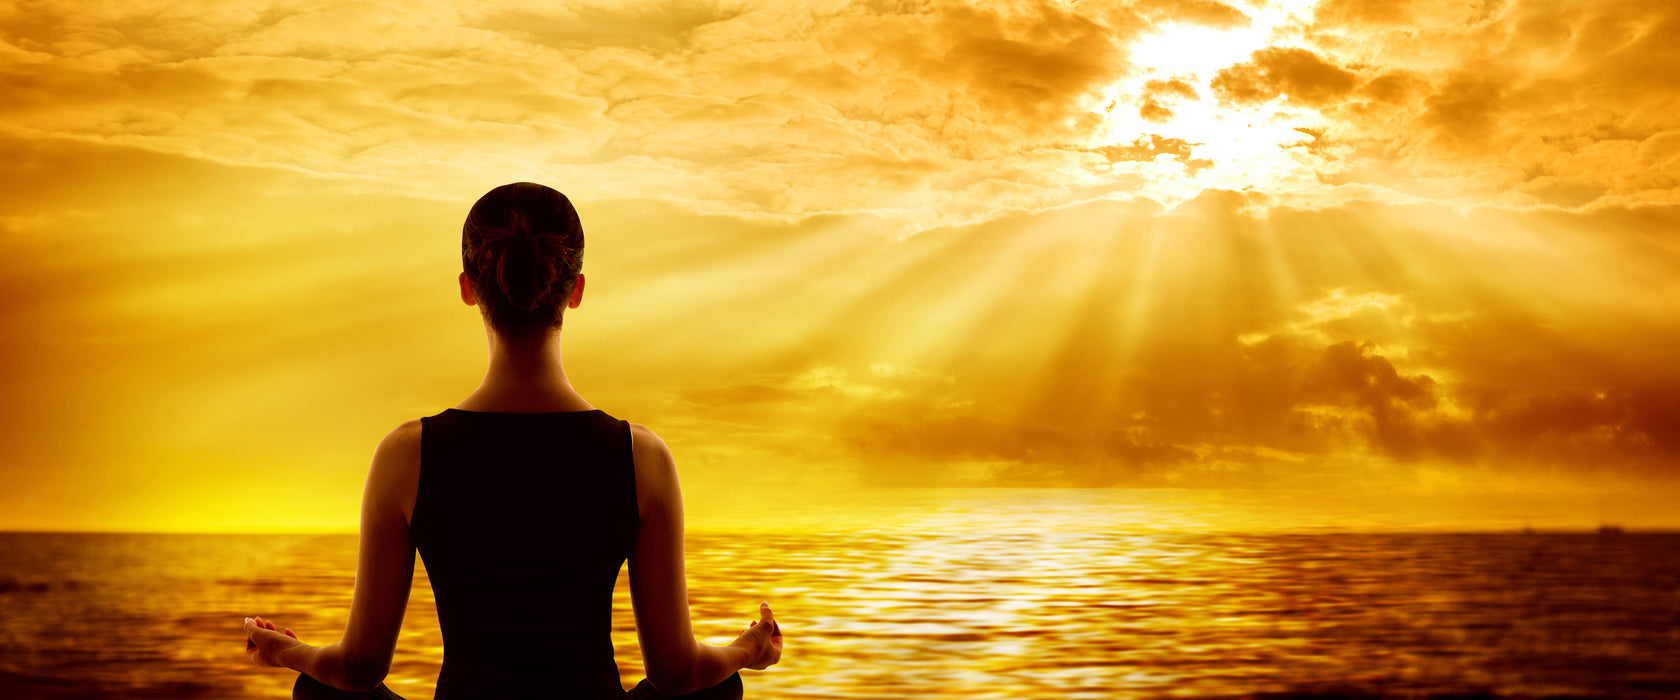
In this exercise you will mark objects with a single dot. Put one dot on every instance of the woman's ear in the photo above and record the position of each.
(467, 295)
(577, 293)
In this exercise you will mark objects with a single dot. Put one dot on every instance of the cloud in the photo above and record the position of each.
(1202, 12)
(790, 109)
(1040, 66)
(1521, 102)
(1148, 149)
(1396, 414)
(650, 26)
(1226, 343)
(1298, 74)
(1157, 94)
(1365, 12)
(1173, 88)
(771, 108)
(1463, 112)
(1602, 430)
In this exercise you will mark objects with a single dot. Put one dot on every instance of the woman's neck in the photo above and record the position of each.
(526, 375)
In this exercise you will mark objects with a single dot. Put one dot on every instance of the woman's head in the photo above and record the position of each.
(521, 252)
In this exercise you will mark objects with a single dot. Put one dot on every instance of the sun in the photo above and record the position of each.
(1192, 50)
(1170, 94)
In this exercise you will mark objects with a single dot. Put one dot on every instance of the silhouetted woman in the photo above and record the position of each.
(524, 501)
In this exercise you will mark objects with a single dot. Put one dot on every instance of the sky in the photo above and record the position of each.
(1342, 245)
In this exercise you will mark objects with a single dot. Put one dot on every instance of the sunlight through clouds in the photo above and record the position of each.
(1338, 244)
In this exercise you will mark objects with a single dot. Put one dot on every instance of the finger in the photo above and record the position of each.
(250, 641)
(290, 633)
(764, 612)
(259, 634)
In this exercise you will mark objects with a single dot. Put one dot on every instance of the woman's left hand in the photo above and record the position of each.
(264, 644)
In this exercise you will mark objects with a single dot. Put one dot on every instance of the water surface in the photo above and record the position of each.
(987, 595)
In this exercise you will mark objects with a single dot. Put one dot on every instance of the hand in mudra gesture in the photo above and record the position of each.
(762, 641)
(265, 644)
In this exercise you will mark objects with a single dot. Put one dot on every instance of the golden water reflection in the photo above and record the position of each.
(978, 599)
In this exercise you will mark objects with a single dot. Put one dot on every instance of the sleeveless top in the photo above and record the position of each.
(523, 521)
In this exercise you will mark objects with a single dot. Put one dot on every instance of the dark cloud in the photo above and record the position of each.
(1158, 94)
(1152, 110)
(1036, 64)
(1394, 87)
(1544, 101)
(1171, 88)
(1396, 413)
(1348, 373)
(1464, 112)
(1301, 75)
(1315, 142)
(1602, 431)
(1148, 148)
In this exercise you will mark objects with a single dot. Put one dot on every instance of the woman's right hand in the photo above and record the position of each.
(265, 644)
(762, 641)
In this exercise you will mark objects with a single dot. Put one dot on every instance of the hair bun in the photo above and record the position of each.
(522, 248)
(523, 272)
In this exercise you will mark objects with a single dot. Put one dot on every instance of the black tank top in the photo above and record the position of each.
(523, 521)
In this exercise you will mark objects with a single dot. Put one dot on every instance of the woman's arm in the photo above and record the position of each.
(384, 574)
(676, 663)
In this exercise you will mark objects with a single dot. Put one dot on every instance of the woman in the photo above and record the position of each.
(523, 500)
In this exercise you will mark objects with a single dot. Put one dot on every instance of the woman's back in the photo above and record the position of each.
(523, 521)
(523, 504)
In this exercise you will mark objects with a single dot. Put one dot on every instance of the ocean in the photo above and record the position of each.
(989, 594)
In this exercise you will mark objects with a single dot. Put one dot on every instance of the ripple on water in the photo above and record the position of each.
(1011, 605)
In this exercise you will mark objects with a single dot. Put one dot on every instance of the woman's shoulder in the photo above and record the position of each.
(649, 451)
(403, 440)
(645, 442)
(656, 469)
(394, 478)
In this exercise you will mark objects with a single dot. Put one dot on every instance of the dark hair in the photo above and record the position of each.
(522, 249)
